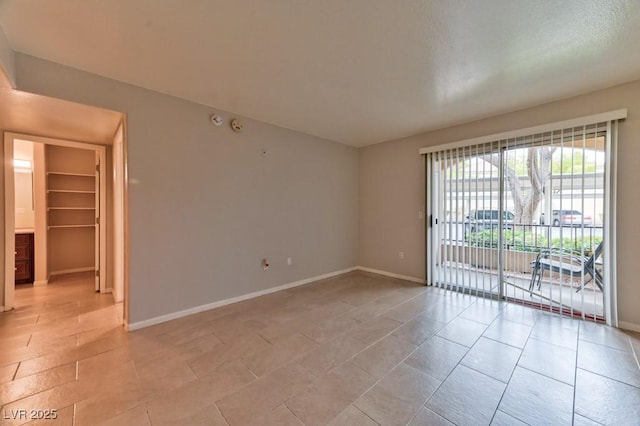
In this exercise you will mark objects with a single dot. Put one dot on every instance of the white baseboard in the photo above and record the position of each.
(41, 282)
(175, 315)
(391, 274)
(629, 326)
(72, 271)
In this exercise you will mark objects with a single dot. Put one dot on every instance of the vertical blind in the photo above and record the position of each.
(523, 218)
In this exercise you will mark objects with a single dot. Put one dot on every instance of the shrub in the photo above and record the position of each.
(531, 242)
(578, 245)
(512, 240)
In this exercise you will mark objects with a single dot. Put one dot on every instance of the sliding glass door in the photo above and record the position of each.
(523, 219)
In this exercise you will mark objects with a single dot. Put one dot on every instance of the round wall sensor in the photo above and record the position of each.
(236, 125)
(216, 120)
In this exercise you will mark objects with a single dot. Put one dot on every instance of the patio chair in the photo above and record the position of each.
(567, 264)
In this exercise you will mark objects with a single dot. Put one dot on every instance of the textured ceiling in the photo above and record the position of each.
(353, 71)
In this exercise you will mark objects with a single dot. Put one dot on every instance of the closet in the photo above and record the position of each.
(72, 182)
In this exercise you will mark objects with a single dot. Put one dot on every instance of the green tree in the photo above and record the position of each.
(537, 168)
(572, 161)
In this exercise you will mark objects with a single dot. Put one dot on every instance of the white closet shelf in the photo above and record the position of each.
(71, 208)
(70, 191)
(72, 174)
(70, 226)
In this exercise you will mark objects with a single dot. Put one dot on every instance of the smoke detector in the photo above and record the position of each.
(216, 120)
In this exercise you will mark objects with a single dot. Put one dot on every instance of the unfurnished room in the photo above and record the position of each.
(356, 212)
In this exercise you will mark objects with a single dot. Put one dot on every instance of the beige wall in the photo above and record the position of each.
(24, 185)
(2, 233)
(7, 65)
(206, 206)
(25, 212)
(40, 192)
(391, 187)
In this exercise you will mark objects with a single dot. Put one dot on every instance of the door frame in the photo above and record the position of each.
(9, 207)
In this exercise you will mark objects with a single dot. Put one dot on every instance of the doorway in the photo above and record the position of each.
(526, 219)
(70, 196)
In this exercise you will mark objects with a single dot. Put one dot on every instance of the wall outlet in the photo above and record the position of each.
(401, 255)
(289, 261)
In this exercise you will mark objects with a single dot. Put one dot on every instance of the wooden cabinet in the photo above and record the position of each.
(24, 258)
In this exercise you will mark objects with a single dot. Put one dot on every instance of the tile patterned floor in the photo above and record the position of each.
(358, 349)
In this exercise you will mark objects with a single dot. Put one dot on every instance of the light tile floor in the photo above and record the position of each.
(560, 291)
(355, 349)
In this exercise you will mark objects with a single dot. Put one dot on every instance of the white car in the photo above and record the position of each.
(568, 218)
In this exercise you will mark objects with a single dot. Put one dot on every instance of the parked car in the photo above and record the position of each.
(568, 218)
(479, 220)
